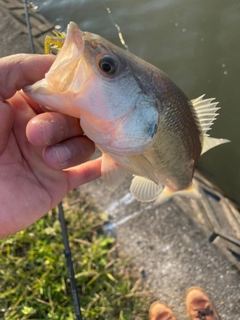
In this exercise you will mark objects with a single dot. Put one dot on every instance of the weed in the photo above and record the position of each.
(33, 273)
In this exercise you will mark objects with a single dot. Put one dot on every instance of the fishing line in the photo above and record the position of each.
(120, 35)
(67, 250)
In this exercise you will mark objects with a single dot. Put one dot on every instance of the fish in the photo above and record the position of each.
(135, 114)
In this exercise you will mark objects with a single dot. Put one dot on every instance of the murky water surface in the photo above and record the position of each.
(196, 42)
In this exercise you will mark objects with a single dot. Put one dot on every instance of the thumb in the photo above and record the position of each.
(19, 70)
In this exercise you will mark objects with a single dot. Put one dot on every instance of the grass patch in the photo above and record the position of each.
(34, 278)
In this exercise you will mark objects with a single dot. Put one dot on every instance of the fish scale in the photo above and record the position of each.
(136, 115)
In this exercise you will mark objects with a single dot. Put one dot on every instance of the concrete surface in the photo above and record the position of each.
(179, 244)
(171, 249)
(13, 30)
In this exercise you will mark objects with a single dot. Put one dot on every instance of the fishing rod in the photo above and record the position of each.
(67, 250)
(28, 26)
(68, 256)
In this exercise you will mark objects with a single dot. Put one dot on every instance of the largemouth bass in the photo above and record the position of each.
(140, 120)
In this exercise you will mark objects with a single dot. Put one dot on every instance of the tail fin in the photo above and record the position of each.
(191, 192)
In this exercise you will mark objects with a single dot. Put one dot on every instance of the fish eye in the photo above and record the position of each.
(108, 65)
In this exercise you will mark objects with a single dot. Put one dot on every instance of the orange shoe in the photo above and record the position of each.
(160, 311)
(199, 306)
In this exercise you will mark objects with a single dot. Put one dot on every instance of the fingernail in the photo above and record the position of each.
(46, 132)
(59, 152)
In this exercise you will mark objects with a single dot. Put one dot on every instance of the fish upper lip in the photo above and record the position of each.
(74, 34)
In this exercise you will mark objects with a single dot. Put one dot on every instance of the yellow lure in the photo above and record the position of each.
(54, 43)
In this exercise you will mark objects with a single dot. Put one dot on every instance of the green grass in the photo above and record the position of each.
(34, 280)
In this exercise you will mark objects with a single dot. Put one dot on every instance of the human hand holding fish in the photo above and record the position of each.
(37, 148)
(136, 115)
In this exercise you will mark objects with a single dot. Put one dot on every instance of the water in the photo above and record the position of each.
(196, 42)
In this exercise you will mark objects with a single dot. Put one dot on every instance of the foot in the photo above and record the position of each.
(160, 311)
(199, 306)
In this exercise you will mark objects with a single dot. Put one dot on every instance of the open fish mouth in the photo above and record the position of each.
(68, 73)
(67, 59)
(64, 68)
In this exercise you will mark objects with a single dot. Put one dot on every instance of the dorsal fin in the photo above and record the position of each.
(206, 112)
(209, 143)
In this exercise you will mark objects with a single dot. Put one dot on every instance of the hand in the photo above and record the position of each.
(42, 154)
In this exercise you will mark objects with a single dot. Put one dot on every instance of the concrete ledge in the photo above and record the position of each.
(14, 32)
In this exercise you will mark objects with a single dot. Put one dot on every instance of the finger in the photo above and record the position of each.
(84, 173)
(51, 128)
(34, 105)
(6, 122)
(69, 153)
(20, 70)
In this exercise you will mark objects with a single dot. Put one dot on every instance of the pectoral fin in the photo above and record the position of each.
(112, 173)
